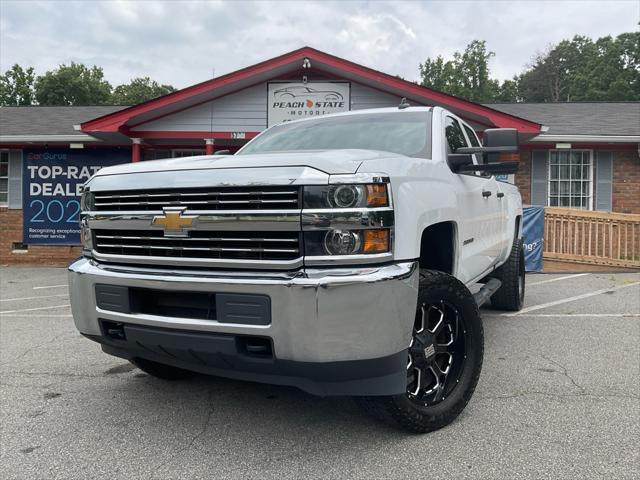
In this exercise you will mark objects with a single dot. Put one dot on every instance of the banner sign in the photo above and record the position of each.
(295, 100)
(51, 184)
(533, 235)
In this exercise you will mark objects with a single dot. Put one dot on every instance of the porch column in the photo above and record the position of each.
(208, 146)
(136, 149)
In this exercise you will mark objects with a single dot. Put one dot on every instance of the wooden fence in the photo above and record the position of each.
(598, 238)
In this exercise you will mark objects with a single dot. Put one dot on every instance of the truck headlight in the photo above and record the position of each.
(369, 195)
(342, 242)
(347, 242)
(87, 201)
(86, 238)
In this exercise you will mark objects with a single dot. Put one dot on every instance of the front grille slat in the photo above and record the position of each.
(211, 239)
(237, 198)
(201, 244)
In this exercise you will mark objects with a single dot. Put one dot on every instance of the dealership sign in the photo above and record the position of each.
(295, 100)
(52, 183)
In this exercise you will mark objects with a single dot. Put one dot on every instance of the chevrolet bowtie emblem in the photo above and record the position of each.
(173, 221)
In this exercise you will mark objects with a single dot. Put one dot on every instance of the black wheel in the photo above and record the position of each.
(160, 370)
(510, 296)
(444, 358)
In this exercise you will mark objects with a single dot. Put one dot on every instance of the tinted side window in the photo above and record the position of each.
(455, 137)
(472, 136)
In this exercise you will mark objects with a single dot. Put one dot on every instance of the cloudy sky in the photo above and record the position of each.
(183, 42)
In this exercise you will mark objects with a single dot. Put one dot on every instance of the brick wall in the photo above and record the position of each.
(523, 177)
(11, 228)
(626, 181)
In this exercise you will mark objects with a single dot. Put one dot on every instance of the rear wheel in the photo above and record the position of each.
(444, 358)
(160, 370)
(510, 296)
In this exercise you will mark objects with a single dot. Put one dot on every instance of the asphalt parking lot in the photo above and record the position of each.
(558, 398)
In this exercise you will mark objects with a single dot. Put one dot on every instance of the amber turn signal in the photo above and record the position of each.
(377, 195)
(509, 157)
(375, 241)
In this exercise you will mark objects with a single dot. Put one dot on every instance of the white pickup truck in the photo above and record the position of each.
(335, 254)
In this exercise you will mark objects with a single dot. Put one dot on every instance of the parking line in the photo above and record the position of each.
(564, 315)
(50, 286)
(29, 315)
(556, 279)
(34, 309)
(33, 298)
(570, 299)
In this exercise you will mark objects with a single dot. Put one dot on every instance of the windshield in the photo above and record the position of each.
(403, 132)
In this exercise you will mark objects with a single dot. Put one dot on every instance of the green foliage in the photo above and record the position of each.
(16, 86)
(466, 75)
(579, 69)
(139, 90)
(73, 84)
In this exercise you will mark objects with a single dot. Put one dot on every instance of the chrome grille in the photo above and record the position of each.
(226, 198)
(200, 244)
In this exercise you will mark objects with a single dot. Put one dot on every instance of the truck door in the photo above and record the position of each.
(502, 242)
(479, 229)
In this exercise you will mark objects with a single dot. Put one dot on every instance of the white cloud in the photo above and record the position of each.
(181, 42)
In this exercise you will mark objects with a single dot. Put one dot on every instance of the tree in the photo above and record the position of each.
(581, 70)
(16, 86)
(467, 75)
(73, 84)
(139, 90)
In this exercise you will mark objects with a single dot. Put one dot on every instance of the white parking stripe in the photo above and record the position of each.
(34, 309)
(50, 286)
(33, 298)
(30, 315)
(556, 279)
(564, 315)
(570, 299)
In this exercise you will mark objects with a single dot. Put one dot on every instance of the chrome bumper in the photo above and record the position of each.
(318, 315)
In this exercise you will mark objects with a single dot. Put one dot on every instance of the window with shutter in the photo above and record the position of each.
(570, 179)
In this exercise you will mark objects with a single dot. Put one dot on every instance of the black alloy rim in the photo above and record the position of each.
(436, 353)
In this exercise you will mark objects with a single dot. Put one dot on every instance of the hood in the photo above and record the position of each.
(327, 161)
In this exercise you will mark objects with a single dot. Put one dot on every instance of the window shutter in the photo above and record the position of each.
(604, 181)
(539, 173)
(15, 179)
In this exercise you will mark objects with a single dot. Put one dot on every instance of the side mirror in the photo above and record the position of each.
(457, 161)
(462, 163)
(495, 141)
(222, 152)
(500, 137)
(504, 138)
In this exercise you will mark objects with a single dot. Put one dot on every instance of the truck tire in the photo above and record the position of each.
(510, 296)
(160, 370)
(444, 358)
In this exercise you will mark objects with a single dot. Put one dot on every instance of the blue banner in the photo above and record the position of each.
(51, 183)
(533, 233)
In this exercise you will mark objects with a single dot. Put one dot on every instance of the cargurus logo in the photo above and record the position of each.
(47, 156)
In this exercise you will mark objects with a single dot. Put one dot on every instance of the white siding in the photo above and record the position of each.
(246, 111)
(364, 97)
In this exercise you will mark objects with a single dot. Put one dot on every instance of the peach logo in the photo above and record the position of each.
(309, 104)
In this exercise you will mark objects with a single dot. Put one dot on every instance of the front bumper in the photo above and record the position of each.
(338, 331)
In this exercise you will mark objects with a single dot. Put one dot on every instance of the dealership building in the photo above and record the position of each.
(583, 155)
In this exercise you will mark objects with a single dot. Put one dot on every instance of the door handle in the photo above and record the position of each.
(500, 194)
(486, 193)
